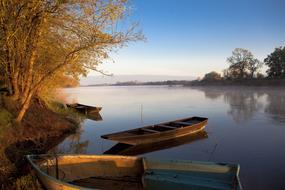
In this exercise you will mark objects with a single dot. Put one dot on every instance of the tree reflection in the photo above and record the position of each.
(276, 105)
(212, 93)
(243, 103)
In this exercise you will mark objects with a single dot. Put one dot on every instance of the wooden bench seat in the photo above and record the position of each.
(167, 126)
(149, 130)
(183, 123)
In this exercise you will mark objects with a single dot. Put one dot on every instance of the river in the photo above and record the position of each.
(246, 125)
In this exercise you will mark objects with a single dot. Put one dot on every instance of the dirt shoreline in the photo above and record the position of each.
(41, 130)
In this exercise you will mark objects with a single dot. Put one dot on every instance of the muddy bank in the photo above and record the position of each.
(41, 130)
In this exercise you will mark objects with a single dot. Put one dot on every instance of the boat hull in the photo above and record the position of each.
(124, 137)
(159, 137)
(85, 108)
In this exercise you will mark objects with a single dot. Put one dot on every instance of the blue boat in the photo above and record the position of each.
(75, 172)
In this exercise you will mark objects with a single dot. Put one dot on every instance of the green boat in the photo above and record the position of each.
(73, 172)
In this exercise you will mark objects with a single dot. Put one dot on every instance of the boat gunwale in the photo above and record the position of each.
(111, 135)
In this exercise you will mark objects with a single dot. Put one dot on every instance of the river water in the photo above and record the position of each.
(246, 125)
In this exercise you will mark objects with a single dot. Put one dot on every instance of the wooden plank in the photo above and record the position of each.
(183, 123)
(80, 107)
(166, 126)
(149, 130)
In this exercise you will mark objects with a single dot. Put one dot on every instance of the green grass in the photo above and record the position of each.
(68, 113)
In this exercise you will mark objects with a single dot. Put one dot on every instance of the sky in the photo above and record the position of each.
(193, 37)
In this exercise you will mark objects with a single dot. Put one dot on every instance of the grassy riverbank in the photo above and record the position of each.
(43, 127)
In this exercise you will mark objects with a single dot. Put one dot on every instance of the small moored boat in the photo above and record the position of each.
(74, 172)
(84, 108)
(159, 132)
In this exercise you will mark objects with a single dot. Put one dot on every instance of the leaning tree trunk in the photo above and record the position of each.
(25, 106)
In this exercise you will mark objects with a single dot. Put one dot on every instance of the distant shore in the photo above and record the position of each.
(239, 82)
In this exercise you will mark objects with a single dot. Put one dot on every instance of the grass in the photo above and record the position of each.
(5, 117)
(28, 182)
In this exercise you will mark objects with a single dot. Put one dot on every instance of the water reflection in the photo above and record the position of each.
(276, 106)
(125, 149)
(96, 116)
(243, 103)
(73, 144)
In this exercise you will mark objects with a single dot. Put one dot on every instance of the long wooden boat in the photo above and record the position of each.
(131, 150)
(84, 108)
(159, 132)
(74, 172)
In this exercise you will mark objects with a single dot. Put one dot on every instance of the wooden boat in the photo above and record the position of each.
(159, 132)
(128, 150)
(74, 172)
(84, 108)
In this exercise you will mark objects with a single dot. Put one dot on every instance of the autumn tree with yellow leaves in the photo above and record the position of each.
(43, 41)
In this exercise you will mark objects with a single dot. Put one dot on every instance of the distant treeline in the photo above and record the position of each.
(136, 83)
(244, 69)
(239, 82)
(168, 82)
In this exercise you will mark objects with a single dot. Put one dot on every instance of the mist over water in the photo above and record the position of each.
(246, 125)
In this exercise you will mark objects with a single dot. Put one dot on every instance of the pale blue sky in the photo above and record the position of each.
(192, 37)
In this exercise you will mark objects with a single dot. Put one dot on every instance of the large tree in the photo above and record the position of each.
(212, 76)
(276, 63)
(44, 40)
(243, 64)
(253, 66)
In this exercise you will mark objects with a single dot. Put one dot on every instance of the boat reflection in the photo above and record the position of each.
(96, 116)
(126, 149)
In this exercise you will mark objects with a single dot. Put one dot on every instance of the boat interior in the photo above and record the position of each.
(125, 172)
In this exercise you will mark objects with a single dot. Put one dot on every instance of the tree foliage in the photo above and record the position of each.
(212, 76)
(44, 40)
(276, 63)
(242, 64)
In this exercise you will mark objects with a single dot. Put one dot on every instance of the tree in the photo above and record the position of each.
(212, 76)
(42, 41)
(260, 76)
(253, 67)
(243, 64)
(276, 63)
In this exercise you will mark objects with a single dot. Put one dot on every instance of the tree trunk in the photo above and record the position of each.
(15, 87)
(252, 74)
(28, 82)
(24, 108)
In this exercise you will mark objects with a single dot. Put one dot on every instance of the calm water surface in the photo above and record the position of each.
(246, 125)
